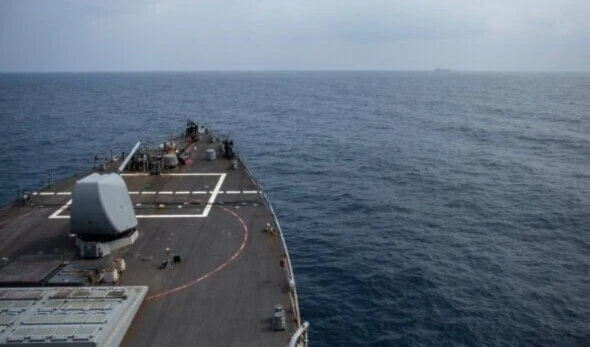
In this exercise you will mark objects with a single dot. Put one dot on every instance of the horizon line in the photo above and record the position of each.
(444, 70)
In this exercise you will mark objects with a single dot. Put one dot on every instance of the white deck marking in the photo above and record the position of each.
(205, 213)
(170, 216)
(214, 195)
(171, 174)
(56, 214)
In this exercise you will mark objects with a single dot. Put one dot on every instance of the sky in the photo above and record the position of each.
(186, 35)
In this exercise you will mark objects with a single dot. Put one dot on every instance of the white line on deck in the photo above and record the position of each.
(172, 174)
(170, 216)
(217, 190)
(214, 195)
(163, 192)
(56, 214)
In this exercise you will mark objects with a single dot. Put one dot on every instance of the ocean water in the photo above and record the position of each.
(420, 208)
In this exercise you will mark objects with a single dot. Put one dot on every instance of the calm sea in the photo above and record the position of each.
(420, 208)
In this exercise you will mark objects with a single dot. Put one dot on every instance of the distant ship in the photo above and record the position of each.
(171, 245)
(438, 69)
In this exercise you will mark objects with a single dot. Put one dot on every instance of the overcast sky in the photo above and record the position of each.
(133, 35)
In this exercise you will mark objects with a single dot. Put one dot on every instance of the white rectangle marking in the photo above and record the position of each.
(172, 174)
(209, 205)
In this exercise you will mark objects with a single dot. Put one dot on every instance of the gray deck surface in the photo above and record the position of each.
(223, 291)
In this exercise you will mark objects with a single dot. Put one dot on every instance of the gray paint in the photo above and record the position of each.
(67, 316)
(101, 206)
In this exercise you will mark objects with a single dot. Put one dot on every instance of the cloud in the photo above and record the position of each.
(289, 34)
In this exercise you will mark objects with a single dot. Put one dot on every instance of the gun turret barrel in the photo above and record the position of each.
(126, 161)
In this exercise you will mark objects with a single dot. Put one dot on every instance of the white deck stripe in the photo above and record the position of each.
(170, 216)
(214, 195)
(56, 214)
(164, 192)
(145, 216)
(172, 174)
(206, 210)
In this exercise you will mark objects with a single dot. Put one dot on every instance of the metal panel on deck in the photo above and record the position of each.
(63, 333)
(91, 316)
(42, 333)
(27, 272)
(7, 319)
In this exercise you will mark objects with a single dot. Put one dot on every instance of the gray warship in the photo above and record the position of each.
(168, 245)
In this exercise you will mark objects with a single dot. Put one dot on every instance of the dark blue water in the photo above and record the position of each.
(419, 208)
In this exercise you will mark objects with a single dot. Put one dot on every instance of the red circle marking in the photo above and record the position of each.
(212, 272)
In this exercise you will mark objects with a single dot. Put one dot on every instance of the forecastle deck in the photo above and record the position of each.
(231, 274)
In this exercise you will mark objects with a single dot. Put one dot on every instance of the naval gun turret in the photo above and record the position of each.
(102, 215)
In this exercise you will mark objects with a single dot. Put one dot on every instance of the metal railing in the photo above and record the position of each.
(300, 335)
